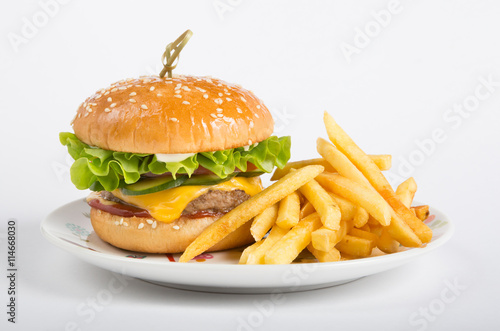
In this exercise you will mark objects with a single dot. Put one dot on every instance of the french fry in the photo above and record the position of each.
(307, 210)
(366, 228)
(323, 203)
(289, 211)
(360, 218)
(325, 239)
(340, 162)
(399, 230)
(292, 243)
(355, 246)
(386, 243)
(422, 212)
(365, 235)
(406, 191)
(372, 221)
(256, 256)
(376, 228)
(347, 146)
(246, 252)
(331, 256)
(249, 209)
(278, 173)
(383, 161)
(263, 222)
(347, 208)
(358, 194)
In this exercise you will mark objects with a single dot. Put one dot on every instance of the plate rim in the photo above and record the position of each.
(363, 262)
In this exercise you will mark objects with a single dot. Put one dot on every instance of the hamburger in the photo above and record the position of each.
(166, 157)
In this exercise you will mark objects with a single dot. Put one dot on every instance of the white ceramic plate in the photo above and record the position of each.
(69, 228)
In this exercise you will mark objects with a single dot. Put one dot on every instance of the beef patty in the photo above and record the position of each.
(216, 201)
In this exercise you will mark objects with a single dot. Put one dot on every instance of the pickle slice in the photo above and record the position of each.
(153, 185)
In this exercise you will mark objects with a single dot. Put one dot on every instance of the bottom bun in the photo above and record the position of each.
(160, 237)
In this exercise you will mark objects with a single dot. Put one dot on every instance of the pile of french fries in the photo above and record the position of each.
(338, 207)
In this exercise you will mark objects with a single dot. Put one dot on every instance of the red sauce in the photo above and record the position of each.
(120, 209)
(204, 213)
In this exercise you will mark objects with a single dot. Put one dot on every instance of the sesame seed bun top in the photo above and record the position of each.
(183, 114)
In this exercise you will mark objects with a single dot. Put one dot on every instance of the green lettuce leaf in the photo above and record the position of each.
(100, 169)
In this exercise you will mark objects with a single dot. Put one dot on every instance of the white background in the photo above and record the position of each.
(393, 92)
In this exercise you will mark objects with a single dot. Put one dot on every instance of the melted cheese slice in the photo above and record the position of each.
(167, 206)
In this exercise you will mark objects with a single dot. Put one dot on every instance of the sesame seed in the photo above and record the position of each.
(121, 221)
(133, 94)
(149, 221)
(125, 223)
(98, 96)
(219, 84)
(154, 225)
(106, 93)
(229, 99)
(219, 110)
(209, 80)
(251, 124)
(178, 96)
(213, 115)
(218, 101)
(117, 223)
(93, 104)
(152, 88)
(257, 115)
(146, 80)
(205, 96)
(227, 93)
(220, 94)
(176, 227)
(114, 89)
(225, 90)
(140, 226)
(185, 88)
(178, 91)
(239, 110)
(131, 100)
(144, 107)
(200, 89)
(249, 142)
(185, 102)
(173, 119)
(112, 105)
(258, 107)
(159, 95)
(86, 114)
(220, 115)
(243, 99)
(107, 110)
(122, 88)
